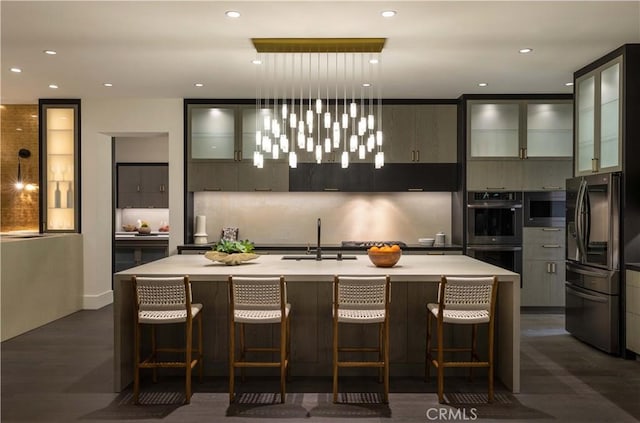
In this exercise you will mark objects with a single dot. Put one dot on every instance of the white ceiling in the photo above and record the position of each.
(434, 49)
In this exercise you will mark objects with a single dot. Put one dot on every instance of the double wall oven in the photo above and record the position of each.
(494, 228)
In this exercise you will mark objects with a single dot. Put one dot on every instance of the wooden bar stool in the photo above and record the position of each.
(362, 300)
(258, 300)
(162, 301)
(462, 301)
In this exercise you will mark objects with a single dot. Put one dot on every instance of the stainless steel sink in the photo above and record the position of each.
(324, 257)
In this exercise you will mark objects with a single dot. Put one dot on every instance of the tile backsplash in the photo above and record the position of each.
(290, 217)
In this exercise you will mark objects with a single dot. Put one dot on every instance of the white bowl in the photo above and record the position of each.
(428, 242)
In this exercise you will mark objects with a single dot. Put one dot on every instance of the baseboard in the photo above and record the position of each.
(95, 302)
(541, 310)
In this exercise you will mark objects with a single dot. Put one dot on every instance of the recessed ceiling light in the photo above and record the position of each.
(50, 52)
(482, 84)
(34, 116)
(54, 86)
(232, 14)
(18, 129)
(16, 70)
(198, 84)
(366, 84)
(388, 13)
(108, 84)
(525, 50)
(256, 61)
(569, 84)
(373, 61)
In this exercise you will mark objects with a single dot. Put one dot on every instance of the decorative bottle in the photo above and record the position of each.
(57, 196)
(70, 196)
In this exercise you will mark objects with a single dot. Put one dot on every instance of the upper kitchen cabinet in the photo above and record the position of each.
(60, 165)
(598, 140)
(420, 133)
(144, 185)
(519, 144)
(212, 132)
(519, 129)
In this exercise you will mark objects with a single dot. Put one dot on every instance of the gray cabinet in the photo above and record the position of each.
(543, 272)
(519, 144)
(420, 133)
(208, 176)
(143, 185)
(131, 253)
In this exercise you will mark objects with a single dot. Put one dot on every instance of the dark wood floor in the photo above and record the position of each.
(63, 372)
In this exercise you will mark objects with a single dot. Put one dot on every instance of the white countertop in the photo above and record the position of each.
(409, 268)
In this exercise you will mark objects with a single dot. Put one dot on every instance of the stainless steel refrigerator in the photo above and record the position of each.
(593, 260)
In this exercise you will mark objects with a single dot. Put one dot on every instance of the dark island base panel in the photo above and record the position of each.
(298, 248)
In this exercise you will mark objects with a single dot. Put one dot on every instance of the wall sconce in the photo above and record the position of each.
(23, 153)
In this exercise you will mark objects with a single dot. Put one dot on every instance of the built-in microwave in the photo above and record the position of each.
(544, 208)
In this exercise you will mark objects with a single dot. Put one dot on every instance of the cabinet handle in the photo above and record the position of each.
(495, 188)
(550, 229)
(213, 189)
(235, 155)
(548, 267)
(138, 188)
(553, 268)
(551, 246)
(417, 155)
(552, 188)
(594, 164)
(415, 190)
(262, 189)
(239, 155)
(523, 153)
(413, 155)
(330, 189)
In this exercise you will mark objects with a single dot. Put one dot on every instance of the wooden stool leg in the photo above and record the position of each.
(283, 357)
(335, 360)
(427, 352)
(491, 334)
(187, 361)
(386, 360)
(136, 364)
(232, 363)
(381, 351)
(200, 358)
(440, 362)
(154, 352)
(242, 352)
(288, 349)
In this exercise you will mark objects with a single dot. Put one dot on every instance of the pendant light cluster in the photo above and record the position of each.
(319, 96)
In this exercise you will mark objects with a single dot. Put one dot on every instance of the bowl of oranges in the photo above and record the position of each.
(385, 255)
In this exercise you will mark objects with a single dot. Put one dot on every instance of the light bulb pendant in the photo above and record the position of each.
(276, 128)
(336, 134)
(345, 121)
(293, 159)
(327, 145)
(301, 140)
(267, 123)
(266, 143)
(371, 122)
(362, 126)
(292, 120)
(378, 137)
(318, 106)
(284, 143)
(309, 117)
(353, 110)
(371, 142)
(285, 111)
(361, 152)
(275, 151)
(353, 143)
(256, 158)
(345, 160)
(327, 120)
(260, 161)
(318, 153)
(258, 138)
(310, 145)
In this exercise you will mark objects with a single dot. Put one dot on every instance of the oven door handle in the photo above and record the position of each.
(581, 294)
(494, 248)
(495, 206)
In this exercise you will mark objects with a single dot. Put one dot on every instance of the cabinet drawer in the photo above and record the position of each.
(555, 251)
(543, 236)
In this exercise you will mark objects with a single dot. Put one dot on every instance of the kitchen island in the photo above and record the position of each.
(414, 283)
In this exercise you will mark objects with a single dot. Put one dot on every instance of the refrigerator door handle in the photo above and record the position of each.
(585, 296)
(579, 219)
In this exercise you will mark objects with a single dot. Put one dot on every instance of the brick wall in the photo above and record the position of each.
(19, 209)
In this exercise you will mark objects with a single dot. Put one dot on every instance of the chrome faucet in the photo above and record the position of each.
(318, 249)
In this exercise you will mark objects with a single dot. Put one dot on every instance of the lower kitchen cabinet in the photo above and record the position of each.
(543, 269)
(128, 254)
(632, 310)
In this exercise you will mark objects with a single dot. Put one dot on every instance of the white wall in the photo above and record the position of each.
(103, 119)
(142, 149)
(290, 217)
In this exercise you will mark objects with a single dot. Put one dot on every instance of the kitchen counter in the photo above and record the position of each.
(633, 266)
(414, 282)
(279, 248)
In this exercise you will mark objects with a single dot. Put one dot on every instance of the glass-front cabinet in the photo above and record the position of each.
(59, 186)
(520, 129)
(598, 122)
